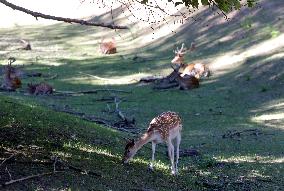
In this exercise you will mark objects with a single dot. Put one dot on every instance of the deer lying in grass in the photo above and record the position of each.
(185, 82)
(11, 80)
(108, 46)
(41, 88)
(164, 128)
(26, 45)
(198, 70)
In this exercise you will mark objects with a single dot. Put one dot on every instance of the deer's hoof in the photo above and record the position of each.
(174, 173)
(151, 167)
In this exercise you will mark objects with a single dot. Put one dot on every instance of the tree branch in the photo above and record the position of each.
(10, 157)
(67, 20)
(29, 177)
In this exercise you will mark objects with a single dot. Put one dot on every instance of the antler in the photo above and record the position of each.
(184, 50)
(11, 60)
(181, 50)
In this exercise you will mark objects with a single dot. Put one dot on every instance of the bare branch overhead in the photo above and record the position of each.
(67, 20)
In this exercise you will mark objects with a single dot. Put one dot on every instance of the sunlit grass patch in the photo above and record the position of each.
(251, 159)
(114, 80)
(91, 149)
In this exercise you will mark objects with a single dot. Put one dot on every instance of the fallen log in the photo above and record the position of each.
(166, 85)
(29, 177)
(94, 91)
(149, 79)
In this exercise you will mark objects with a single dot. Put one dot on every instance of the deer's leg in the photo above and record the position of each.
(178, 139)
(151, 166)
(171, 155)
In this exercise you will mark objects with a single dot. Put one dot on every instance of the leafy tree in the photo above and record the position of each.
(224, 5)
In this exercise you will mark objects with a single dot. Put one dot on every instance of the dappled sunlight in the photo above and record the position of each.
(252, 159)
(233, 123)
(91, 149)
(256, 173)
(63, 154)
(101, 151)
(269, 106)
(266, 47)
(159, 165)
(270, 117)
(115, 80)
(271, 114)
(226, 62)
(275, 120)
(230, 60)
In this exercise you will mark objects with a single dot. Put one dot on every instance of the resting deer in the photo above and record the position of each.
(198, 70)
(41, 88)
(108, 46)
(185, 82)
(164, 128)
(26, 45)
(11, 81)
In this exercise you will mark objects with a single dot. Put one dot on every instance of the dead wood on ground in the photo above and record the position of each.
(237, 134)
(118, 125)
(94, 91)
(150, 79)
(189, 152)
(28, 178)
(58, 166)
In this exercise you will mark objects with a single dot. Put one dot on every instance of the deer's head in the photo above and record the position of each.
(8, 70)
(178, 60)
(129, 151)
(11, 71)
(179, 55)
(108, 46)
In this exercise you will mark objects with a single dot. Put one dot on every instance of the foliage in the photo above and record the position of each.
(224, 5)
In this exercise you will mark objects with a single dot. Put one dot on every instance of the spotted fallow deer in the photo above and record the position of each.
(108, 46)
(164, 128)
(193, 69)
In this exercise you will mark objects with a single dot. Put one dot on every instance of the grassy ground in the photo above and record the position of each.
(245, 94)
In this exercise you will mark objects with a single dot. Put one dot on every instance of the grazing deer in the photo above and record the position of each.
(108, 46)
(163, 128)
(41, 88)
(198, 70)
(11, 81)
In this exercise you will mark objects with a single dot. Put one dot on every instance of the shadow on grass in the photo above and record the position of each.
(236, 100)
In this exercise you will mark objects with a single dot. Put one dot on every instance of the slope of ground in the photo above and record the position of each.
(235, 119)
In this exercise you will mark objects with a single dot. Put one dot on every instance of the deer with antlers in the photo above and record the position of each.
(108, 46)
(164, 128)
(11, 80)
(197, 70)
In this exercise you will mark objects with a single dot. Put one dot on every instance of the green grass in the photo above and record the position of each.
(247, 95)
(82, 144)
